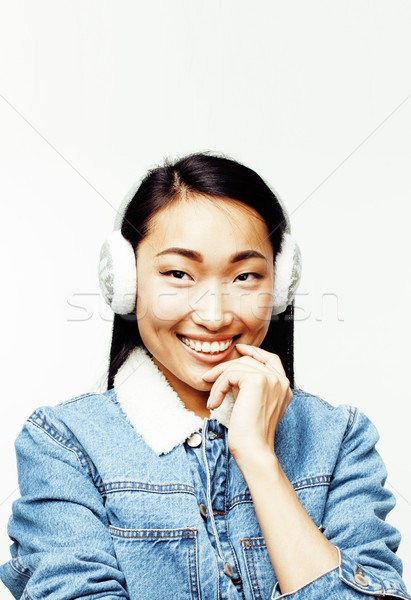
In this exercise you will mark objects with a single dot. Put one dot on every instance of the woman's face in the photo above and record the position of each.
(205, 280)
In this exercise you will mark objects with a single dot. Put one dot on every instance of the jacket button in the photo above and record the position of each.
(228, 569)
(194, 440)
(203, 510)
(361, 580)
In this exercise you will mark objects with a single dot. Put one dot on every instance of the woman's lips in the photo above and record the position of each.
(209, 356)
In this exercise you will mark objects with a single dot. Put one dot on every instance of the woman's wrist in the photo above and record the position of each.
(256, 460)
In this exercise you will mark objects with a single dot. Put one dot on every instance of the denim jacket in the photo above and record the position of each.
(127, 494)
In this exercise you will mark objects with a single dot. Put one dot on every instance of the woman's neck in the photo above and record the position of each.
(194, 400)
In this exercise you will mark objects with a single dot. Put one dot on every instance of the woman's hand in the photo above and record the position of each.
(298, 551)
(262, 394)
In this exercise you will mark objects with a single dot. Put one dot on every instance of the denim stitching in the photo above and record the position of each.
(311, 485)
(314, 478)
(326, 404)
(15, 567)
(391, 589)
(71, 400)
(245, 500)
(152, 533)
(255, 572)
(381, 584)
(189, 566)
(58, 442)
(359, 570)
(345, 574)
(352, 415)
(26, 595)
(246, 495)
(106, 488)
(17, 562)
(197, 574)
(233, 554)
(218, 579)
(56, 435)
(254, 542)
(231, 546)
(227, 458)
(247, 566)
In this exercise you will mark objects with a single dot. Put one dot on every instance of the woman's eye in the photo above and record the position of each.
(175, 274)
(246, 276)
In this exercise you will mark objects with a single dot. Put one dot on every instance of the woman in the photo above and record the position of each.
(202, 471)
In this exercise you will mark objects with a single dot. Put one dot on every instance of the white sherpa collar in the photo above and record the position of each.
(154, 408)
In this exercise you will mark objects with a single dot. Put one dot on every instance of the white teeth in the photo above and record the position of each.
(207, 347)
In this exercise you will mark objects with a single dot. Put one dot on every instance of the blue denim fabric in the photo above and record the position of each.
(102, 516)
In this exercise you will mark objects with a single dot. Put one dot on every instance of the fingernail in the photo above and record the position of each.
(209, 404)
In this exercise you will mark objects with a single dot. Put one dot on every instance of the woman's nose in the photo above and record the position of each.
(211, 309)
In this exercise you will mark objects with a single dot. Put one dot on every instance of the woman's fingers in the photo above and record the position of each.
(216, 371)
(233, 373)
(262, 394)
(224, 383)
(270, 360)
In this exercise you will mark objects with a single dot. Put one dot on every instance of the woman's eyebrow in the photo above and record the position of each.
(199, 258)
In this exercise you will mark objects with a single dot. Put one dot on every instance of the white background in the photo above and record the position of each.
(315, 96)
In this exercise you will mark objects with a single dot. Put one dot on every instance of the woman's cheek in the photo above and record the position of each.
(259, 307)
(169, 305)
(141, 307)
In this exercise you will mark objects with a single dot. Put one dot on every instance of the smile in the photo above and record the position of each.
(212, 347)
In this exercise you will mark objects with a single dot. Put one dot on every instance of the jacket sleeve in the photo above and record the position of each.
(62, 548)
(354, 521)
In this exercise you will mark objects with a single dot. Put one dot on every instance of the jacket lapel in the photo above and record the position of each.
(154, 408)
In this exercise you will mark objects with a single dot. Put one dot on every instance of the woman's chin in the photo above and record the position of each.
(199, 384)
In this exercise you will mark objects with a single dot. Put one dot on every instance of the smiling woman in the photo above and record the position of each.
(203, 471)
(213, 290)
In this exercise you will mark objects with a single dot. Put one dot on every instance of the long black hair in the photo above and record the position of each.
(203, 174)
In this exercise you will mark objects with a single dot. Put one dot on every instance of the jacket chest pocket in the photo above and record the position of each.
(158, 563)
(259, 567)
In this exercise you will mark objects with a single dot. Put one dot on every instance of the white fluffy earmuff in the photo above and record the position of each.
(287, 273)
(118, 278)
